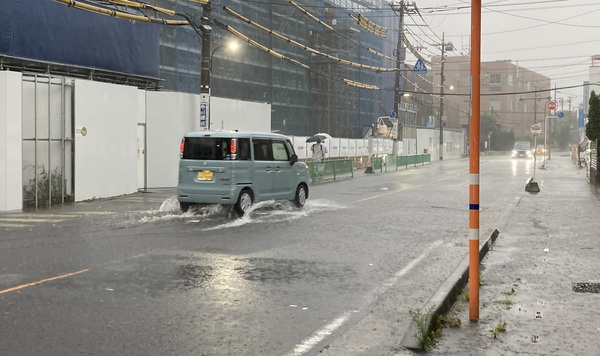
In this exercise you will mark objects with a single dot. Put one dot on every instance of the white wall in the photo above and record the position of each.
(106, 157)
(429, 139)
(169, 116)
(228, 114)
(11, 159)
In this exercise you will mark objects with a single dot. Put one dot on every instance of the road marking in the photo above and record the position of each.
(386, 194)
(30, 220)
(42, 281)
(307, 344)
(22, 286)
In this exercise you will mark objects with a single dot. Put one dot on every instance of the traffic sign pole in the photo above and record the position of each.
(532, 185)
(545, 137)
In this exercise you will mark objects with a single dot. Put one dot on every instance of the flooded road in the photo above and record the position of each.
(135, 276)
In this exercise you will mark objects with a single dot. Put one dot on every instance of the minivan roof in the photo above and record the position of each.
(233, 134)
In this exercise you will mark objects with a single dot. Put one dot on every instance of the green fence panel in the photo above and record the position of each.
(402, 161)
(330, 168)
(377, 163)
(343, 166)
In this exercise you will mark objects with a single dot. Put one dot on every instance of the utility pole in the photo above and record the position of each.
(205, 69)
(442, 101)
(400, 58)
(535, 100)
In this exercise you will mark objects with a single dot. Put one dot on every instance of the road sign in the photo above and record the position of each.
(392, 115)
(536, 129)
(420, 67)
(444, 118)
(560, 114)
(443, 123)
(551, 105)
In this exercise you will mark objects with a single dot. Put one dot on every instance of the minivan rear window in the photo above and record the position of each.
(215, 148)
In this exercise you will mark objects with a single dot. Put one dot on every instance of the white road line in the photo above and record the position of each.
(307, 344)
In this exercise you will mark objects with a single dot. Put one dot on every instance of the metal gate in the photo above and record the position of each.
(48, 146)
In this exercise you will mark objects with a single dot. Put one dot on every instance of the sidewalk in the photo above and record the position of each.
(542, 277)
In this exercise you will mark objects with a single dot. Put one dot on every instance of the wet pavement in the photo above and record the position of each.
(539, 291)
(540, 281)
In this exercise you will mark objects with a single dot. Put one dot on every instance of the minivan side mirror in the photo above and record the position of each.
(294, 159)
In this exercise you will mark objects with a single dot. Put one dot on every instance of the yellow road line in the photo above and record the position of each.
(22, 286)
(31, 220)
(42, 281)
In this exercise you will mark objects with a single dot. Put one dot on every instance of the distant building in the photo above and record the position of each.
(516, 96)
(594, 78)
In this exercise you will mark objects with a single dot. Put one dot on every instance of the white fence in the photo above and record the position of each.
(427, 142)
(130, 139)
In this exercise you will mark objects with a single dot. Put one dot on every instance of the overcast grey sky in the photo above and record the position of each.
(555, 38)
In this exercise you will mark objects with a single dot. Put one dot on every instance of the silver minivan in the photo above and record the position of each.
(239, 168)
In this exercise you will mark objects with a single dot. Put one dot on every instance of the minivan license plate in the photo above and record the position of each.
(205, 175)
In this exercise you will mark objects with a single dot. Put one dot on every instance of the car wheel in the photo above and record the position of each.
(244, 202)
(185, 206)
(301, 195)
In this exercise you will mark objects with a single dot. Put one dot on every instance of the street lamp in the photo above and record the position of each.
(232, 46)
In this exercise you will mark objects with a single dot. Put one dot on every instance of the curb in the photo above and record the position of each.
(444, 298)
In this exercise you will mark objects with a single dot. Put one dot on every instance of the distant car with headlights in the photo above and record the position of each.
(522, 149)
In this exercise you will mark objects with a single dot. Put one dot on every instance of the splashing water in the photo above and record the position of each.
(266, 211)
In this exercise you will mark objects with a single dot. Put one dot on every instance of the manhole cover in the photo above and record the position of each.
(586, 287)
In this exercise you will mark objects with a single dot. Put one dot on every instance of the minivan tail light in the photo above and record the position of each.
(233, 148)
(181, 145)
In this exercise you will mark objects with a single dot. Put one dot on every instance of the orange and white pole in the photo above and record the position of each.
(474, 135)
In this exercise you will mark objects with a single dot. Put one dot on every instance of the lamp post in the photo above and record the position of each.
(231, 46)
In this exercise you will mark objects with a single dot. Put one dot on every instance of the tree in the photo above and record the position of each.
(565, 131)
(501, 140)
(592, 128)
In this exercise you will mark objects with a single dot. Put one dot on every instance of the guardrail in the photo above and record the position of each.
(387, 162)
(330, 168)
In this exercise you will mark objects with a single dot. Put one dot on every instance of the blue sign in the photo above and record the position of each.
(429, 124)
(420, 67)
(443, 123)
(580, 119)
(392, 115)
(560, 115)
(203, 115)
